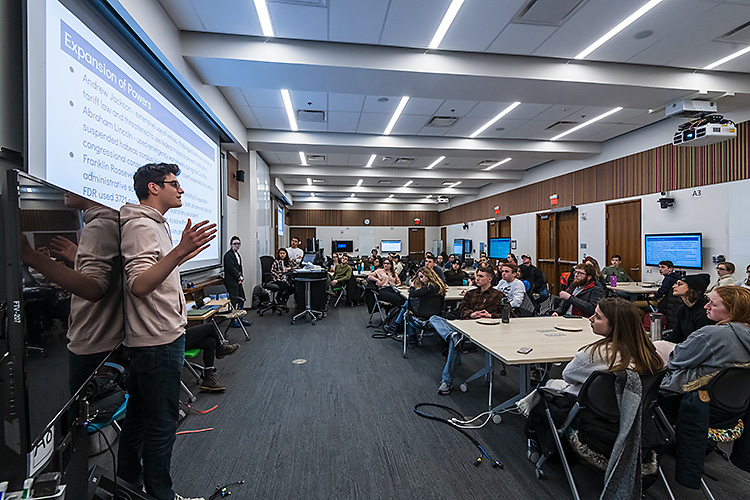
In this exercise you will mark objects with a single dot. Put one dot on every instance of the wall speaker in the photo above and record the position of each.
(240, 176)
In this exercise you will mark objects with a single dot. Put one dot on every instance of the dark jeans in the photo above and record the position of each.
(203, 337)
(148, 432)
(81, 366)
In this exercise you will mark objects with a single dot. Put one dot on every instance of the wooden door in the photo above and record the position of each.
(504, 229)
(302, 233)
(443, 239)
(416, 243)
(557, 245)
(624, 236)
(493, 230)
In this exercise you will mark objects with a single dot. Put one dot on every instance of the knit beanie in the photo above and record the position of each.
(698, 282)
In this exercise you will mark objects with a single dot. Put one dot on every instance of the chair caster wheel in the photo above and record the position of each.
(260, 314)
(312, 323)
(539, 473)
(463, 387)
(292, 321)
(496, 419)
(279, 313)
(325, 314)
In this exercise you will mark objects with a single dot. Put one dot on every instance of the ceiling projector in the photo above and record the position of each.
(705, 130)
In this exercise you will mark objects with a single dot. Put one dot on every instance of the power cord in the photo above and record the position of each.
(223, 491)
(460, 424)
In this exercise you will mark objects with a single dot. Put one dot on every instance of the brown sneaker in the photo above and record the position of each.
(226, 349)
(210, 382)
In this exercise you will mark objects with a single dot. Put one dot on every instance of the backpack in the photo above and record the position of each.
(260, 296)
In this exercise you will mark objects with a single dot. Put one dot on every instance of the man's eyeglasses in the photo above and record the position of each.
(174, 184)
(580, 273)
(721, 268)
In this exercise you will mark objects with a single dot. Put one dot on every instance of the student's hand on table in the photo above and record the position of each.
(553, 315)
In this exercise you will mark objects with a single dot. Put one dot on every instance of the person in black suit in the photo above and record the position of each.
(233, 277)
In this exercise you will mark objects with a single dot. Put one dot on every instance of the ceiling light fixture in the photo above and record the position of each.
(586, 124)
(497, 164)
(624, 24)
(454, 184)
(428, 197)
(408, 184)
(728, 58)
(265, 19)
(370, 161)
(352, 195)
(309, 181)
(434, 163)
(396, 114)
(312, 195)
(289, 110)
(359, 182)
(448, 18)
(302, 158)
(390, 196)
(496, 118)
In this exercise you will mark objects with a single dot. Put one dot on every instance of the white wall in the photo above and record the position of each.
(365, 238)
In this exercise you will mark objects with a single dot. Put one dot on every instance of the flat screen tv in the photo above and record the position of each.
(683, 249)
(467, 247)
(458, 246)
(499, 248)
(390, 246)
(343, 246)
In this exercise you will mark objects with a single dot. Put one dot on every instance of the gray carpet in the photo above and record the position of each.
(341, 425)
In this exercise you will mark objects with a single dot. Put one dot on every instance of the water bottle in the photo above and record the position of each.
(656, 323)
(466, 282)
(372, 267)
(613, 281)
(505, 306)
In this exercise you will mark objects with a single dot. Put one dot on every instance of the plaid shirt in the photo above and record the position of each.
(476, 300)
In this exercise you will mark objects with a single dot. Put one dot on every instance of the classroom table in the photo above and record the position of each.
(208, 315)
(503, 340)
(452, 293)
(635, 288)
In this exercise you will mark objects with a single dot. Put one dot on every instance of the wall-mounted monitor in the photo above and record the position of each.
(339, 246)
(499, 248)
(390, 246)
(467, 247)
(683, 249)
(458, 246)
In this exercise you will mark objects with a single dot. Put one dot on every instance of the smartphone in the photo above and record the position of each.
(525, 350)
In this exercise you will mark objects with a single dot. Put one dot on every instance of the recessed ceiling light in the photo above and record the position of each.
(396, 114)
(352, 195)
(370, 161)
(497, 164)
(265, 19)
(428, 196)
(391, 196)
(312, 195)
(289, 110)
(408, 183)
(309, 181)
(643, 34)
(448, 18)
(359, 182)
(493, 120)
(728, 58)
(434, 163)
(302, 158)
(624, 24)
(586, 124)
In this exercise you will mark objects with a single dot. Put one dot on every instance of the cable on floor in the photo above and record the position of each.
(478, 461)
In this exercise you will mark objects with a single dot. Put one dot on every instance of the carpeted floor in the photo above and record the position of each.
(341, 425)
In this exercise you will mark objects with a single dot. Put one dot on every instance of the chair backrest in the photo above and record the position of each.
(429, 305)
(266, 261)
(598, 394)
(730, 389)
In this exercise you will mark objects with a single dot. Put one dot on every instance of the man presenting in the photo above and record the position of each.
(233, 278)
(155, 319)
(481, 302)
(586, 292)
(515, 290)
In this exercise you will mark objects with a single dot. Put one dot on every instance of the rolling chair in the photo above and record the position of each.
(266, 261)
(597, 397)
(232, 314)
(419, 320)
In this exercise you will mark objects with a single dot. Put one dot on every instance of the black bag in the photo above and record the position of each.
(260, 296)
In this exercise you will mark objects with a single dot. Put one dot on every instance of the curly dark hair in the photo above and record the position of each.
(152, 172)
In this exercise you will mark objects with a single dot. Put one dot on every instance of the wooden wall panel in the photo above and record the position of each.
(659, 169)
(357, 217)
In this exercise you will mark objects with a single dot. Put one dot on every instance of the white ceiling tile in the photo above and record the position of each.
(372, 105)
(373, 123)
(309, 100)
(287, 158)
(455, 107)
(489, 109)
(298, 21)
(520, 39)
(412, 23)
(422, 106)
(272, 118)
(265, 98)
(243, 19)
(247, 116)
(342, 122)
(357, 21)
(183, 14)
(410, 124)
(478, 23)
(345, 102)
(433, 131)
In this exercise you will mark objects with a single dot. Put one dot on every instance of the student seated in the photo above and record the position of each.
(745, 282)
(281, 272)
(725, 270)
(430, 263)
(206, 338)
(425, 290)
(481, 302)
(386, 279)
(342, 273)
(691, 315)
(515, 290)
(668, 303)
(615, 270)
(456, 276)
(584, 293)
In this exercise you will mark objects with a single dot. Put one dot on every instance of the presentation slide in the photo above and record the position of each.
(390, 246)
(499, 248)
(684, 250)
(458, 247)
(103, 120)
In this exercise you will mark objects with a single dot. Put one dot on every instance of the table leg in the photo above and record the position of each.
(524, 382)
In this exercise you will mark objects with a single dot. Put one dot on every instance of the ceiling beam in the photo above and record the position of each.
(380, 190)
(332, 142)
(237, 60)
(340, 203)
(391, 172)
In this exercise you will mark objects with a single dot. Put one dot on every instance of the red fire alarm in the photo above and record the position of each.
(417, 221)
(497, 210)
(553, 200)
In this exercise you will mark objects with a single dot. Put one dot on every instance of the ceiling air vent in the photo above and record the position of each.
(385, 181)
(741, 34)
(561, 126)
(547, 12)
(306, 3)
(316, 158)
(403, 161)
(441, 121)
(311, 115)
(318, 181)
(487, 163)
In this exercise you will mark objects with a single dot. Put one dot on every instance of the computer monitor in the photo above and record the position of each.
(308, 257)
(683, 249)
(390, 246)
(458, 246)
(342, 246)
(499, 248)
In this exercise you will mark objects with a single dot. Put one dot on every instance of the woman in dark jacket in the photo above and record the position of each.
(692, 314)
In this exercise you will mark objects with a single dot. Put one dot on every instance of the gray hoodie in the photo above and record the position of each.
(160, 317)
(707, 350)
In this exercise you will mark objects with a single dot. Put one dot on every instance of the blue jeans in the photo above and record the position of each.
(148, 432)
(443, 329)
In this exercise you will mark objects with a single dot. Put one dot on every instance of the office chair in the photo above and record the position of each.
(419, 320)
(232, 314)
(597, 397)
(728, 391)
(266, 261)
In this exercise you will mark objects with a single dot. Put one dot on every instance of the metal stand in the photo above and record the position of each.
(314, 315)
